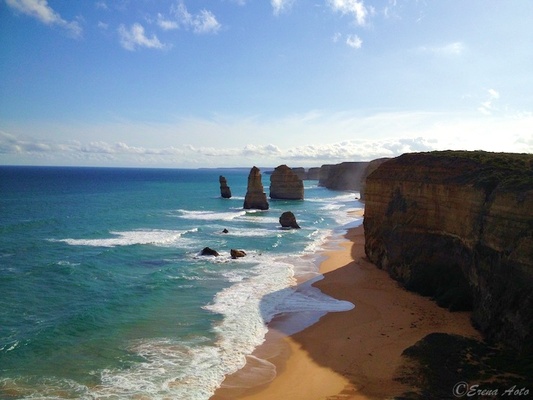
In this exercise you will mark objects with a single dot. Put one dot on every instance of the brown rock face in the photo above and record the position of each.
(255, 196)
(225, 191)
(458, 226)
(343, 176)
(288, 220)
(285, 184)
(237, 253)
(371, 167)
(313, 173)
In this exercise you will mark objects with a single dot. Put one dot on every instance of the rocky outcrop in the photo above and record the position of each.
(343, 176)
(237, 253)
(285, 184)
(225, 191)
(458, 226)
(255, 196)
(371, 167)
(313, 173)
(208, 251)
(288, 220)
(300, 172)
(324, 174)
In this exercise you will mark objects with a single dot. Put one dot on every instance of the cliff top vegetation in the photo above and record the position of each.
(510, 172)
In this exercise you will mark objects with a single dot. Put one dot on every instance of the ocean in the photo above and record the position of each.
(103, 293)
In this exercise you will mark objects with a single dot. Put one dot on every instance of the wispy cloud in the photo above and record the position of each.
(357, 138)
(40, 10)
(280, 6)
(202, 22)
(354, 8)
(354, 41)
(134, 37)
(487, 106)
(446, 50)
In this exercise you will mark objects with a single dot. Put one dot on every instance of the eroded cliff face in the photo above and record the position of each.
(286, 184)
(343, 176)
(458, 226)
(255, 196)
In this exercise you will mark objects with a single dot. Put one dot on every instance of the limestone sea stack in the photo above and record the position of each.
(255, 196)
(286, 184)
(225, 191)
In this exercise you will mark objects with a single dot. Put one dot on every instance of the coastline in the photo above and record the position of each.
(350, 354)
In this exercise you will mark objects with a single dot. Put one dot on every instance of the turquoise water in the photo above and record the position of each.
(103, 293)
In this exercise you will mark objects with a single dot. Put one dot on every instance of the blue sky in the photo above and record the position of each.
(206, 83)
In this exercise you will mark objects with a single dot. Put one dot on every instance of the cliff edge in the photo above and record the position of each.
(458, 226)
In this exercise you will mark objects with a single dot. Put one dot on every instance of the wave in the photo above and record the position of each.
(211, 215)
(158, 237)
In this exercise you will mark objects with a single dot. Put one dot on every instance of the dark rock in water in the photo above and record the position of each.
(225, 191)
(286, 184)
(288, 220)
(225, 231)
(255, 195)
(207, 251)
(237, 253)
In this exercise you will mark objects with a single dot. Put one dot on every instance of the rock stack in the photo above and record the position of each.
(286, 184)
(255, 196)
(225, 191)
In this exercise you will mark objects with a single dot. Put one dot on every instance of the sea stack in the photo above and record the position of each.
(286, 184)
(255, 195)
(225, 191)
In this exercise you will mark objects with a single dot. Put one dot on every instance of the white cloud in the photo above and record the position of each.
(354, 41)
(487, 106)
(202, 22)
(309, 139)
(355, 8)
(135, 37)
(101, 5)
(446, 50)
(166, 24)
(280, 6)
(40, 10)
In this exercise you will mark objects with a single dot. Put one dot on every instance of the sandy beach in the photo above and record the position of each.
(346, 355)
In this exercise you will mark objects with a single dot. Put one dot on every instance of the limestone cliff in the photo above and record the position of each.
(225, 190)
(255, 196)
(286, 184)
(458, 226)
(371, 167)
(313, 173)
(343, 176)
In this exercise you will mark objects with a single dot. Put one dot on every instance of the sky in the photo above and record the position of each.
(236, 83)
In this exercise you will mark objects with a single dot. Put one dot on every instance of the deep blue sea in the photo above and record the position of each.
(103, 293)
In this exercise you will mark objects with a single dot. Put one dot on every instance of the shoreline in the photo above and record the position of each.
(349, 354)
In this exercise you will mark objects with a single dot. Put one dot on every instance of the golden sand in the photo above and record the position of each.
(352, 354)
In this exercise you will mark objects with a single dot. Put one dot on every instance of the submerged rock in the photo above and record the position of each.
(288, 220)
(255, 195)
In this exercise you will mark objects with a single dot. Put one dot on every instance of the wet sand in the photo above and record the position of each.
(345, 355)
